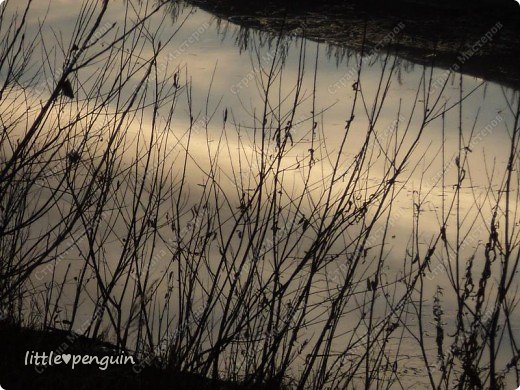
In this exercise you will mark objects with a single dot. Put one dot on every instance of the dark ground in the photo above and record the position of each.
(15, 375)
(435, 32)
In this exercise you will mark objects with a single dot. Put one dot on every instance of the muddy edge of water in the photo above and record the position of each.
(480, 40)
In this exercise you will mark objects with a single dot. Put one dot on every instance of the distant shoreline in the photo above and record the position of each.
(432, 35)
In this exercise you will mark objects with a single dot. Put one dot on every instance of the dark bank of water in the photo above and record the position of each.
(15, 375)
(478, 38)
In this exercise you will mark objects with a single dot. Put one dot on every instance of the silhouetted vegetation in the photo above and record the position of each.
(228, 254)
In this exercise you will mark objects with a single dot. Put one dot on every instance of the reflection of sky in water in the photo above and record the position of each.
(199, 50)
(234, 87)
